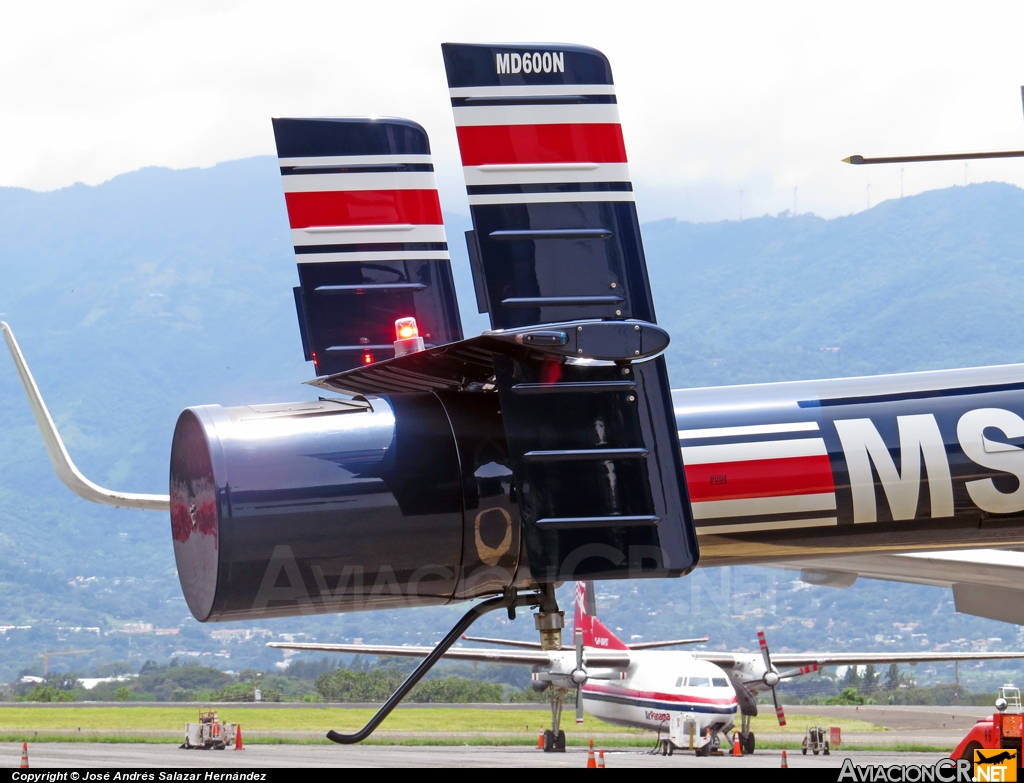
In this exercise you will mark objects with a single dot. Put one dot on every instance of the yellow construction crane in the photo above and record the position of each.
(46, 657)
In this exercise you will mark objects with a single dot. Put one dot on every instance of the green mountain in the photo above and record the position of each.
(161, 289)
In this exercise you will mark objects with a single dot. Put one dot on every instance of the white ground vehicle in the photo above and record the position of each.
(209, 733)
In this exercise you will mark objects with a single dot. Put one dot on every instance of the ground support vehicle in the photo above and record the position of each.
(209, 733)
(1001, 731)
(814, 741)
(683, 734)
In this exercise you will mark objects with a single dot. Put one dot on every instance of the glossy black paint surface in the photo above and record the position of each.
(347, 308)
(592, 489)
(331, 507)
(351, 307)
(596, 467)
(609, 268)
(321, 136)
(492, 534)
(473, 65)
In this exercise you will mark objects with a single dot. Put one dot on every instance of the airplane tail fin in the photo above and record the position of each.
(556, 239)
(368, 235)
(595, 633)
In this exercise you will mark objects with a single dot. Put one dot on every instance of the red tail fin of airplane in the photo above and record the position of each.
(595, 633)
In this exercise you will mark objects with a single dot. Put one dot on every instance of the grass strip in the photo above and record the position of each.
(320, 719)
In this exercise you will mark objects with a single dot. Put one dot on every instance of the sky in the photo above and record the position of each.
(729, 109)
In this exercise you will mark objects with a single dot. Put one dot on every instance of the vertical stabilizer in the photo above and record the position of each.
(595, 633)
(556, 240)
(368, 236)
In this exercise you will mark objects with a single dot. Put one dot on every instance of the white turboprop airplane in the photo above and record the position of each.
(640, 687)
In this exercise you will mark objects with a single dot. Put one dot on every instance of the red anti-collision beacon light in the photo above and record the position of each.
(406, 328)
(408, 337)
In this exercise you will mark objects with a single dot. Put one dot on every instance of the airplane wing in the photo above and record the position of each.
(596, 658)
(985, 582)
(846, 659)
(506, 642)
(728, 660)
(536, 645)
(672, 643)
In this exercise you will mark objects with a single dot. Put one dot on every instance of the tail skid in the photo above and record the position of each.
(62, 464)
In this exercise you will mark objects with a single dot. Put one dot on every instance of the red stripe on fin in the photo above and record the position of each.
(504, 144)
(363, 208)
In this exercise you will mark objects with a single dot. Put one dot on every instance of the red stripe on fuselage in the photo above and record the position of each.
(655, 696)
(363, 208)
(503, 144)
(762, 478)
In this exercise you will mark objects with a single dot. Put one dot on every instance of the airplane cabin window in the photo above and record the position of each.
(680, 682)
(700, 682)
(719, 682)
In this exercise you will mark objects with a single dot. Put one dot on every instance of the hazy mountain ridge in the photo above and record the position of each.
(162, 289)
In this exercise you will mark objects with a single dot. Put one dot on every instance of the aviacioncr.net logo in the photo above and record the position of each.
(999, 764)
(942, 771)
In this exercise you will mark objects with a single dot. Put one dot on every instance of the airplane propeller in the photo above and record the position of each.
(579, 676)
(773, 676)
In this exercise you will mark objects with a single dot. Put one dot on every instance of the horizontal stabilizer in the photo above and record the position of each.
(468, 365)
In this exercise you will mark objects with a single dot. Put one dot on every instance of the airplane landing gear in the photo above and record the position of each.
(746, 735)
(747, 742)
(554, 738)
(549, 621)
(554, 743)
(711, 748)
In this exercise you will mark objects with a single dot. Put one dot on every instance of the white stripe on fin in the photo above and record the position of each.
(538, 114)
(551, 198)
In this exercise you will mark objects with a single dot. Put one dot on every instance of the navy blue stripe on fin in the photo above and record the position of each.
(323, 136)
(533, 100)
(477, 65)
(301, 250)
(291, 171)
(551, 187)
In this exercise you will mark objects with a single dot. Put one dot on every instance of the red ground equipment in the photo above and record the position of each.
(1000, 731)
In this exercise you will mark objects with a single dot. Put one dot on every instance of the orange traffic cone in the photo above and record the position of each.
(591, 761)
(238, 737)
(540, 739)
(600, 759)
(737, 749)
(24, 755)
(785, 761)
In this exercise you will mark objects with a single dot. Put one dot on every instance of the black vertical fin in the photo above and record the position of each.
(597, 466)
(368, 236)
